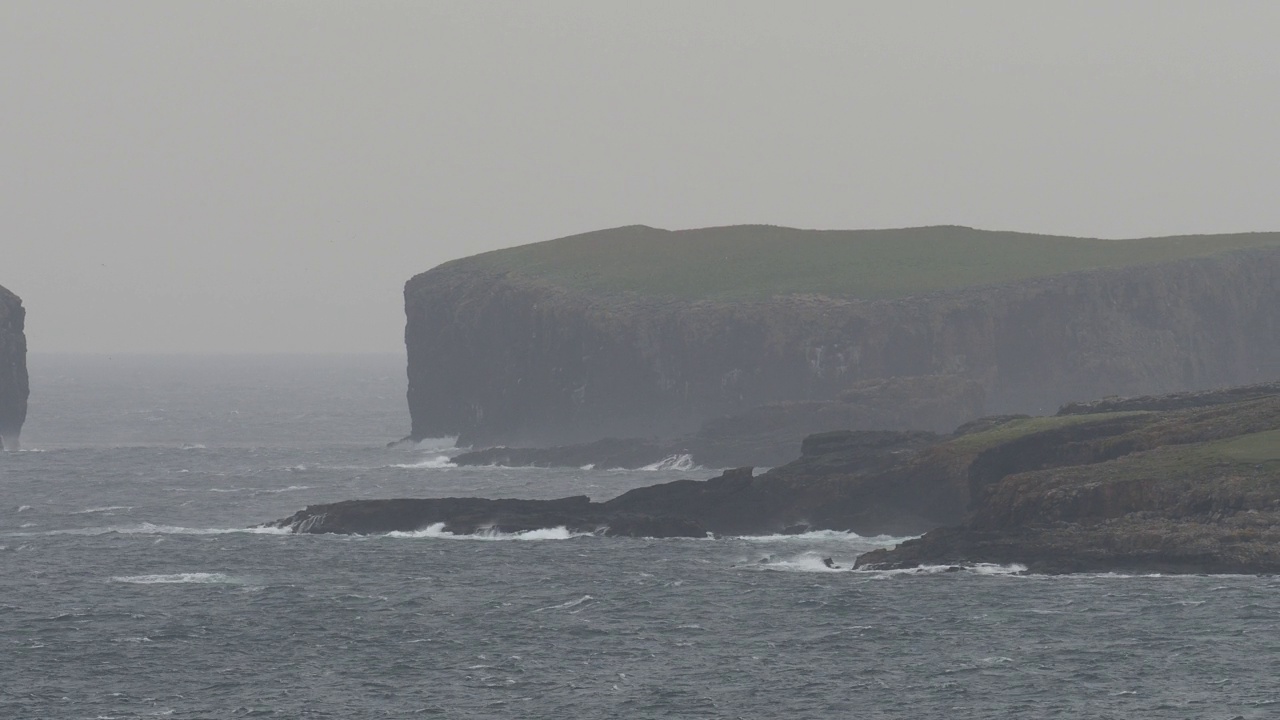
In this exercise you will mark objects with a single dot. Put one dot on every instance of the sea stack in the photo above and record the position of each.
(642, 332)
(13, 369)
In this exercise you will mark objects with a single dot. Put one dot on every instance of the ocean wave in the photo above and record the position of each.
(567, 605)
(23, 508)
(681, 463)
(108, 508)
(975, 569)
(440, 444)
(291, 488)
(437, 531)
(195, 578)
(816, 563)
(151, 529)
(435, 463)
(831, 535)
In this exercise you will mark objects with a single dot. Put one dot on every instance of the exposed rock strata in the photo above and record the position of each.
(506, 357)
(13, 369)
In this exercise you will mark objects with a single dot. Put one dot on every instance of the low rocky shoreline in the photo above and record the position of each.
(1187, 483)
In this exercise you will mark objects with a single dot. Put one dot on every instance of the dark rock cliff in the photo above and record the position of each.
(13, 369)
(505, 357)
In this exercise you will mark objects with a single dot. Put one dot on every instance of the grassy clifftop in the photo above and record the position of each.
(758, 261)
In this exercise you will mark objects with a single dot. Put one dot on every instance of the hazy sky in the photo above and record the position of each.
(264, 176)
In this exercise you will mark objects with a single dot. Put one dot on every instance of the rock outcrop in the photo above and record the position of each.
(13, 369)
(1187, 489)
(1194, 487)
(540, 346)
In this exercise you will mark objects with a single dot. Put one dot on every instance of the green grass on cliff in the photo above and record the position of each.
(754, 261)
(1254, 448)
(1021, 427)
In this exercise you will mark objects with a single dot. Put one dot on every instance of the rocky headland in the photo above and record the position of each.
(1187, 483)
(644, 333)
(13, 369)
(1180, 483)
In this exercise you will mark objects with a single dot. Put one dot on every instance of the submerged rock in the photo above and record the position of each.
(13, 370)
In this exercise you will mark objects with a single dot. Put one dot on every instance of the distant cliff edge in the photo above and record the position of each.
(13, 369)
(640, 332)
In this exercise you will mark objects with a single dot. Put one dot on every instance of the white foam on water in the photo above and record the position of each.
(990, 569)
(108, 508)
(194, 578)
(23, 508)
(806, 562)
(193, 446)
(674, 462)
(567, 605)
(437, 531)
(151, 529)
(830, 535)
(440, 444)
(588, 466)
(435, 463)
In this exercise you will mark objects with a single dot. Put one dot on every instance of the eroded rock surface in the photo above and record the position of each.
(13, 369)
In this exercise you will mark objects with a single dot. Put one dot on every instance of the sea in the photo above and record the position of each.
(136, 581)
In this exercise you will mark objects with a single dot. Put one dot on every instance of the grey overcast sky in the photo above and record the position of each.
(259, 176)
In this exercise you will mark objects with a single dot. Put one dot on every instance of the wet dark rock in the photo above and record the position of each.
(14, 387)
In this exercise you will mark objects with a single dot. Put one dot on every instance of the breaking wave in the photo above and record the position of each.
(437, 531)
(831, 535)
(151, 529)
(434, 463)
(816, 563)
(196, 578)
(675, 462)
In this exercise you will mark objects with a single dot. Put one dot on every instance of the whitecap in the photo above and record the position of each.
(439, 444)
(434, 463)
(674, 462)
(193, 578)
(151, 529)
(107, 508)
(23, 508)
(807, 562)
(567, 605)
(437, 530)
(831, 535)
(976, 569)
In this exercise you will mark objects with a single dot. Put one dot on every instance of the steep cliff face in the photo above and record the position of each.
(13, 369)
(498, 354)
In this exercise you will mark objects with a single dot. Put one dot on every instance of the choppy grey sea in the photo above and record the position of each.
(132, 585)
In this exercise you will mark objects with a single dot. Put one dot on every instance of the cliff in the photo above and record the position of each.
(1185, 488)
(769, 435)
(638, 332)
(13, 369)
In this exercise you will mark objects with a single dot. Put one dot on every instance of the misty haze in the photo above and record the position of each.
(566, 359)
